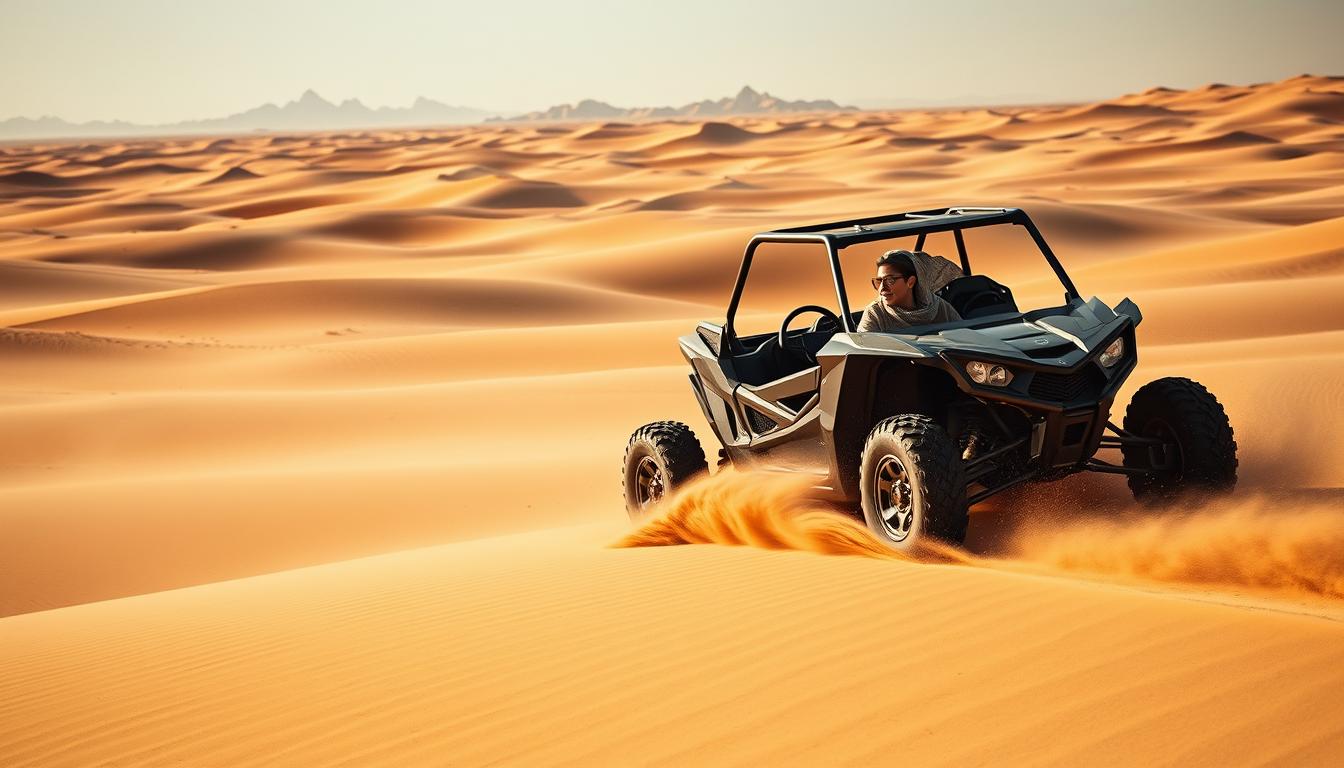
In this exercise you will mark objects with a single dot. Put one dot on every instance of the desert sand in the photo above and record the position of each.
(311, 444)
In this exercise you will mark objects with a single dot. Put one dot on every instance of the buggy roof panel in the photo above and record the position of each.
(845, 233)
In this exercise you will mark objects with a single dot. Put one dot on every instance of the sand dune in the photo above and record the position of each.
(370, 305)
(665, 656)
(311, 447)
(234, 173)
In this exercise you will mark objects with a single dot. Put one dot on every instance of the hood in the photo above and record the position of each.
(1061, 339)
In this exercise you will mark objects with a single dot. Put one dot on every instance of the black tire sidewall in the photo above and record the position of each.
(674, 449)
(1206, 448)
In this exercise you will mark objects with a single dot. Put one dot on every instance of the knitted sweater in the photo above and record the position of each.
(931, 274)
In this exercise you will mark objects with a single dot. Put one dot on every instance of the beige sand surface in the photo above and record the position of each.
(311, 444)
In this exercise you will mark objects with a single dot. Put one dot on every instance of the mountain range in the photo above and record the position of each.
(746, 102)
(308, 112)
(311, 112)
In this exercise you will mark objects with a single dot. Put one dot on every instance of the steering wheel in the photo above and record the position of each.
(784, 326)
(984, 298)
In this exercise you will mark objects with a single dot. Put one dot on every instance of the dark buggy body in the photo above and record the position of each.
(917, 426)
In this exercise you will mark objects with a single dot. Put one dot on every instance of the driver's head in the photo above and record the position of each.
(895, 281)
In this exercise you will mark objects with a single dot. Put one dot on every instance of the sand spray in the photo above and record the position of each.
(1290, 543)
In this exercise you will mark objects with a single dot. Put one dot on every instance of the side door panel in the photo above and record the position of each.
(783, 418)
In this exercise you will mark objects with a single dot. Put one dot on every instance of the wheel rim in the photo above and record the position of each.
(895, 500)
(650, 486)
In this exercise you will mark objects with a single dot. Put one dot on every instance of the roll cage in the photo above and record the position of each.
(837, 235)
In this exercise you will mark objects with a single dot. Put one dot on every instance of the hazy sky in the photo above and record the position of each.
(168, 60)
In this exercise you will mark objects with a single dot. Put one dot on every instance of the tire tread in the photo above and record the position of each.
(1210, 462)
(676, 443)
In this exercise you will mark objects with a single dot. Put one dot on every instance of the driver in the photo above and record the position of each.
(905, 284)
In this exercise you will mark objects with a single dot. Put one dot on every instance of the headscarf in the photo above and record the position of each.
(931, 274)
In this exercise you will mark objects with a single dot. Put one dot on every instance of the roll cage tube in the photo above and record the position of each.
(836, 236)
(730, 333)
(1069, 291)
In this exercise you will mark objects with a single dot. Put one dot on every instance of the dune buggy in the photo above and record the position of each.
(916, 427)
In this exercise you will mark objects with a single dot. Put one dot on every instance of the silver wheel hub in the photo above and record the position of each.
(650, 486)
(895, 500)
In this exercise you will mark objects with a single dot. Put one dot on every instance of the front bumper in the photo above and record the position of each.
(1068, 407)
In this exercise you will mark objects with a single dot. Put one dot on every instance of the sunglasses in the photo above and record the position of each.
(888, 281)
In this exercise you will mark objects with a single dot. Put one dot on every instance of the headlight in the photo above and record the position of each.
(1112, 354)
(988, 373)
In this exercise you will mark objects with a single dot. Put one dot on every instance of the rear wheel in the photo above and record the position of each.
(912, 482)
(1197, 452)
(659, 459)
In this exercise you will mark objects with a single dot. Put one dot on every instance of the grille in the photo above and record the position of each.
(760, 423)
(1085, 384)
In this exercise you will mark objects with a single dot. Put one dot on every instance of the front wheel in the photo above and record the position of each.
(913, 484)
(659, 459)
(1196, 452)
